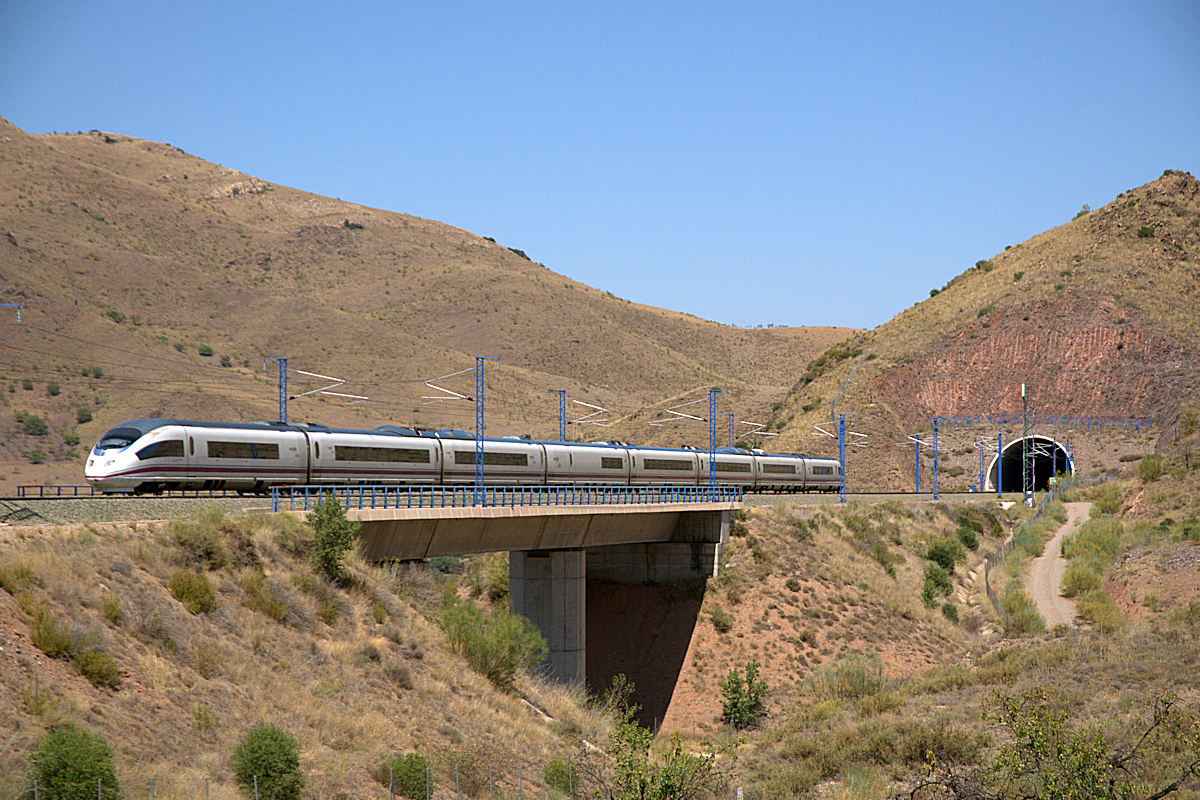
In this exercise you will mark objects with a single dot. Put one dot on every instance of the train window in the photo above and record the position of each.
(787, 469)
(344, 452)
(492, 459)
(669, 464)
(612, 463)
(822, 470)
(192, 444)
(727, 467)
(171, 448)
(265, 450)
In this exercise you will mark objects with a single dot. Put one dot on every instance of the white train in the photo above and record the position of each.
(153, 455)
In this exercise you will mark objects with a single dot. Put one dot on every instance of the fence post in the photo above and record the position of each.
(391, 780)
(255, 787)
(456, 792)
(311, 795)
(491, 787)
(99, 788)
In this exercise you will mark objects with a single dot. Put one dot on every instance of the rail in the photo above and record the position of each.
(302, 498)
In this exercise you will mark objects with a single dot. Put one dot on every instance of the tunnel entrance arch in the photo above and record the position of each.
(1007, 468)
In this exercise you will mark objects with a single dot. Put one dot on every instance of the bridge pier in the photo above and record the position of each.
(550, 588)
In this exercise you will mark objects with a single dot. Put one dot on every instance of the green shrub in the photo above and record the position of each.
(409, 774)
(204, 350)
(1150, 468)
(34, 425)
(937, 584)
(271, 756)
(1145, 232)
(53, 389)
(945, 552)
(73, 764)
(97, 372)
(83, 414)
(98, 667)
(201, 540)
(27, 385)
(333, 536)
(1079, 577)
(742, 697)
(194, 590)
(559, 777)
(15, 578)
(1097, 608)
(852, 677)
(721, 619)
(1021, 616)
(984, 266)
(499, 645)
(48, 636)
(950, 611)
(110, 607)
(262, 597)
(968, 537)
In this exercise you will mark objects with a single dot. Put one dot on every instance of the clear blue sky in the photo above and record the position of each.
(793, 163)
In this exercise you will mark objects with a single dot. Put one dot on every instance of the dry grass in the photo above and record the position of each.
(353, 692)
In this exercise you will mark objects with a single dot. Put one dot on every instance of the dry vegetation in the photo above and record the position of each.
(358, 674)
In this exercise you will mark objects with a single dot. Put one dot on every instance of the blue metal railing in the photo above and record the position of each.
(302, 498)
(1087, 423)
(38, 490)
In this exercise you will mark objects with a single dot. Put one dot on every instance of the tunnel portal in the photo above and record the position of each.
(1050, 456)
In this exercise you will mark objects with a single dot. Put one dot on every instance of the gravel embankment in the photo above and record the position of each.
(59, 511)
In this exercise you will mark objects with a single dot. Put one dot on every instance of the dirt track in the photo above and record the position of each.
(1048, 568)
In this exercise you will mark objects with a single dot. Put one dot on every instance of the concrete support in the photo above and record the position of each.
(549, 587)
(644, 564)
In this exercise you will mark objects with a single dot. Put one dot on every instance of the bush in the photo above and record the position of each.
(937, 584)
(200, 539)
(204, 350)
(558, 776)
(333, 536)
(273, 757)
(499, 646)
(27, 385)
(968, 537)
(721, 620)
(34, 425)
(409, 774)
(1150, 468)
(945, 551)
(47, 636)
(742, 698)
(83, 414)
(1021, 615)
(97, 372)
(194, 590)
(98, 667)
(1145, 232)
(73, 764)
(852, 677)
(950, 611)
(53, 389)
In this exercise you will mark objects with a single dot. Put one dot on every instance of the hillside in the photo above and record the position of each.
(1099, 315)
(154, 283)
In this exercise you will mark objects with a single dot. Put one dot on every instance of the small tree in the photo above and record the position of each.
(333, 536)
(742, 698)
(72, 764)
(630, 773)
(269, 757)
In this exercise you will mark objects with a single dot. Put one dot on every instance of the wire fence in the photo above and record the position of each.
(558, 780)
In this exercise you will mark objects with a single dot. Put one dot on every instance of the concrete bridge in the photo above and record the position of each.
(569, 565)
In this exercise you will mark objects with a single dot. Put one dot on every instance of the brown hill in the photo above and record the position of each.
(1098, 314)
(134, 260)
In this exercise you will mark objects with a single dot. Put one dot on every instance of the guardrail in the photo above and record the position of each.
(302, 498)
(40, 490)
(1086, 423)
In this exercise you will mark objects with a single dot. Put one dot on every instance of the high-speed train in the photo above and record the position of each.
(153, 455)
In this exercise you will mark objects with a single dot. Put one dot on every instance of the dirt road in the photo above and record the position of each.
(1048, 569)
